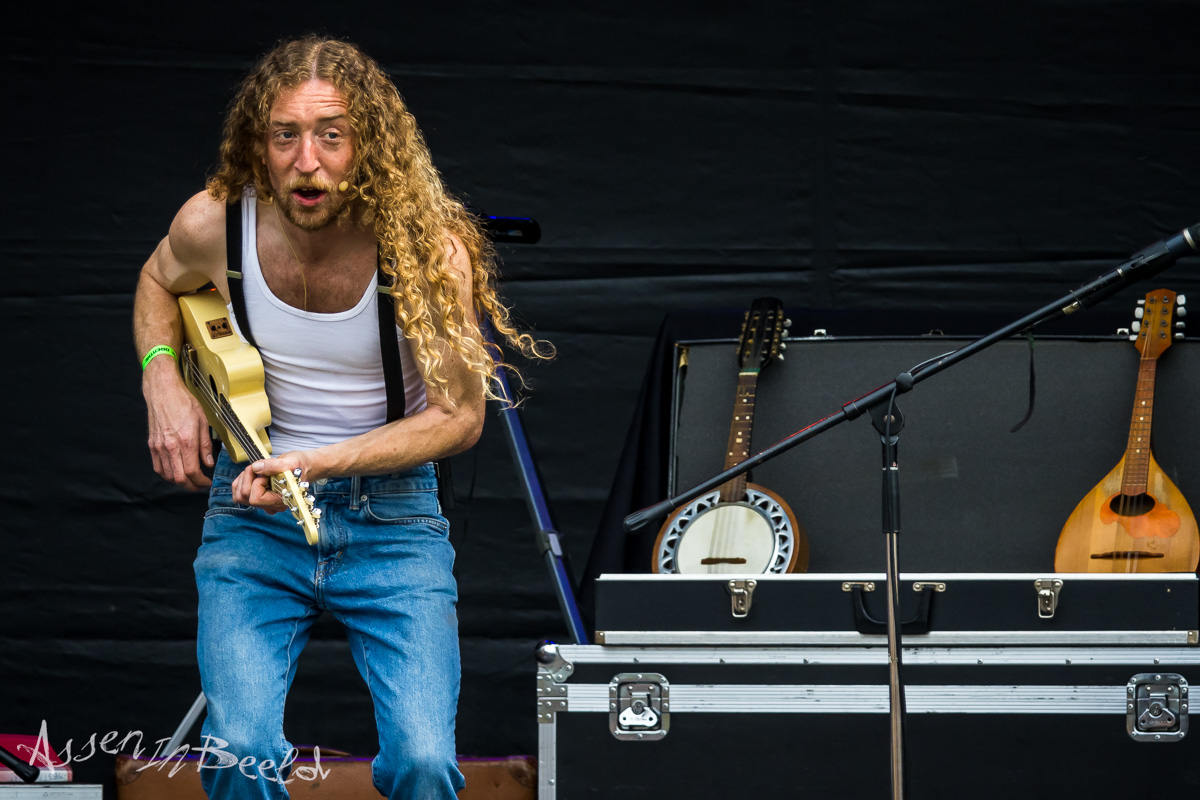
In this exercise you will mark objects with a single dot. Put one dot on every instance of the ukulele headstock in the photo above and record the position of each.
(1155, 326)
(762, 334)
(295, 495)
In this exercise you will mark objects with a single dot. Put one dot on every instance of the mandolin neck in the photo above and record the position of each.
(1137, 452)
(740, 429)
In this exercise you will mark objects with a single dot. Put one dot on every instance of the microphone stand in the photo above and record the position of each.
(888, 421)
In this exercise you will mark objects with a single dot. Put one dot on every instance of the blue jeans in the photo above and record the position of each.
(383, 568)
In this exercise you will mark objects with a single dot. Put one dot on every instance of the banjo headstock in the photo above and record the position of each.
(762, 334)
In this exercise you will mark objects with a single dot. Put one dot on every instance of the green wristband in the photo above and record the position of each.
(158, 351)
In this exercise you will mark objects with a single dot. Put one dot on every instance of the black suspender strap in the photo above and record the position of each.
(233, 267)
(389, 344)
(389, 347)
(393, 379)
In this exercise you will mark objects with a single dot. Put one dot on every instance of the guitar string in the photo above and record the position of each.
(232, 423)
(724, 533)
(1125, 503)
(718, 543)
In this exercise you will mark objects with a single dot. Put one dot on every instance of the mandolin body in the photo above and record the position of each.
(1156, 533)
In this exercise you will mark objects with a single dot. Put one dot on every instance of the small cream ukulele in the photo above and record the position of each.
(226, 376)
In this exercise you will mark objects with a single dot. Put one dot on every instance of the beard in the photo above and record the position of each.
(311, 218)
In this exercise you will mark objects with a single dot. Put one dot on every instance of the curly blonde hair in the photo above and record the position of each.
(398, 193)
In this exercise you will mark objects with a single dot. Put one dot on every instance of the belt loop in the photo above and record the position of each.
(355, 492)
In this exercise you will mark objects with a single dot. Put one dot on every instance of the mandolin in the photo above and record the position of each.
(226, 375)
(740, 527)
(1135, 520)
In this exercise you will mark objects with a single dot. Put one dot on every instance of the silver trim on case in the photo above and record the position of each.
(913, 656)
(871, 699)
(941, 577)
(39, 791)
(547, 770)
(935, 638)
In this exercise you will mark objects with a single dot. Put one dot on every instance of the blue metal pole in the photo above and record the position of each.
(549, 541)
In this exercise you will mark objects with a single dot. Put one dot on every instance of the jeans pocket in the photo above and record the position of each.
(406, 508)
(220, 501)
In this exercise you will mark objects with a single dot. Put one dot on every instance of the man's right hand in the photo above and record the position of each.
(178, 429)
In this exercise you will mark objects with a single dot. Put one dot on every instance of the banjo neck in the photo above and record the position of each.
(740, 430)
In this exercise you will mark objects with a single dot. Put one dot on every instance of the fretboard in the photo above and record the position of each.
(1137, 452)
(740, 429)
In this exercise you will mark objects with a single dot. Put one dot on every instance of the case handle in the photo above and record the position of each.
(918, 623)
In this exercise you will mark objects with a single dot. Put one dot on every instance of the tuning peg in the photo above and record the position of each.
(1180, 324)
(781, 358)
(787, 323)
(286, 494)
(1139, 312)
(316, 512)
(1181, 312)
(1133, 337)
(296, 472)
(1142, 302)
(1180, 299)
(1136, 326)
(1178, 335)
(303, 485)
(783, 345)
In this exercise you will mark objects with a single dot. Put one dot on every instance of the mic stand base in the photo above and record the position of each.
(895, 683)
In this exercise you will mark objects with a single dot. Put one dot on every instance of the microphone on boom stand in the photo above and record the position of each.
(510, 230)
(1145, 263)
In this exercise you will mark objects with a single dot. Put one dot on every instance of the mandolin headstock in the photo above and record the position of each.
(762, 334)
(1155, 326)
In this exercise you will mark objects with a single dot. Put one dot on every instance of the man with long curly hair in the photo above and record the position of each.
(325, 174)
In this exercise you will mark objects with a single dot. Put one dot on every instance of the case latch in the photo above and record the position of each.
(639, 707)
(1048, 590)
(741, 594)
(1156, 707)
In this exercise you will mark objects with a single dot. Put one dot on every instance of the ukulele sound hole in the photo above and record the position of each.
(1132, 505)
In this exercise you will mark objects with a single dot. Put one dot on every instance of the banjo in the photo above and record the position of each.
(740, 527)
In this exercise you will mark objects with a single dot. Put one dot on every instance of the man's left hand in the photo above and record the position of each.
(253, 486)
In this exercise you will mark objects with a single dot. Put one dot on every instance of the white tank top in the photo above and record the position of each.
(324, 372)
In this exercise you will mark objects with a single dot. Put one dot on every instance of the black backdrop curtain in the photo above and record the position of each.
(874, 155)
